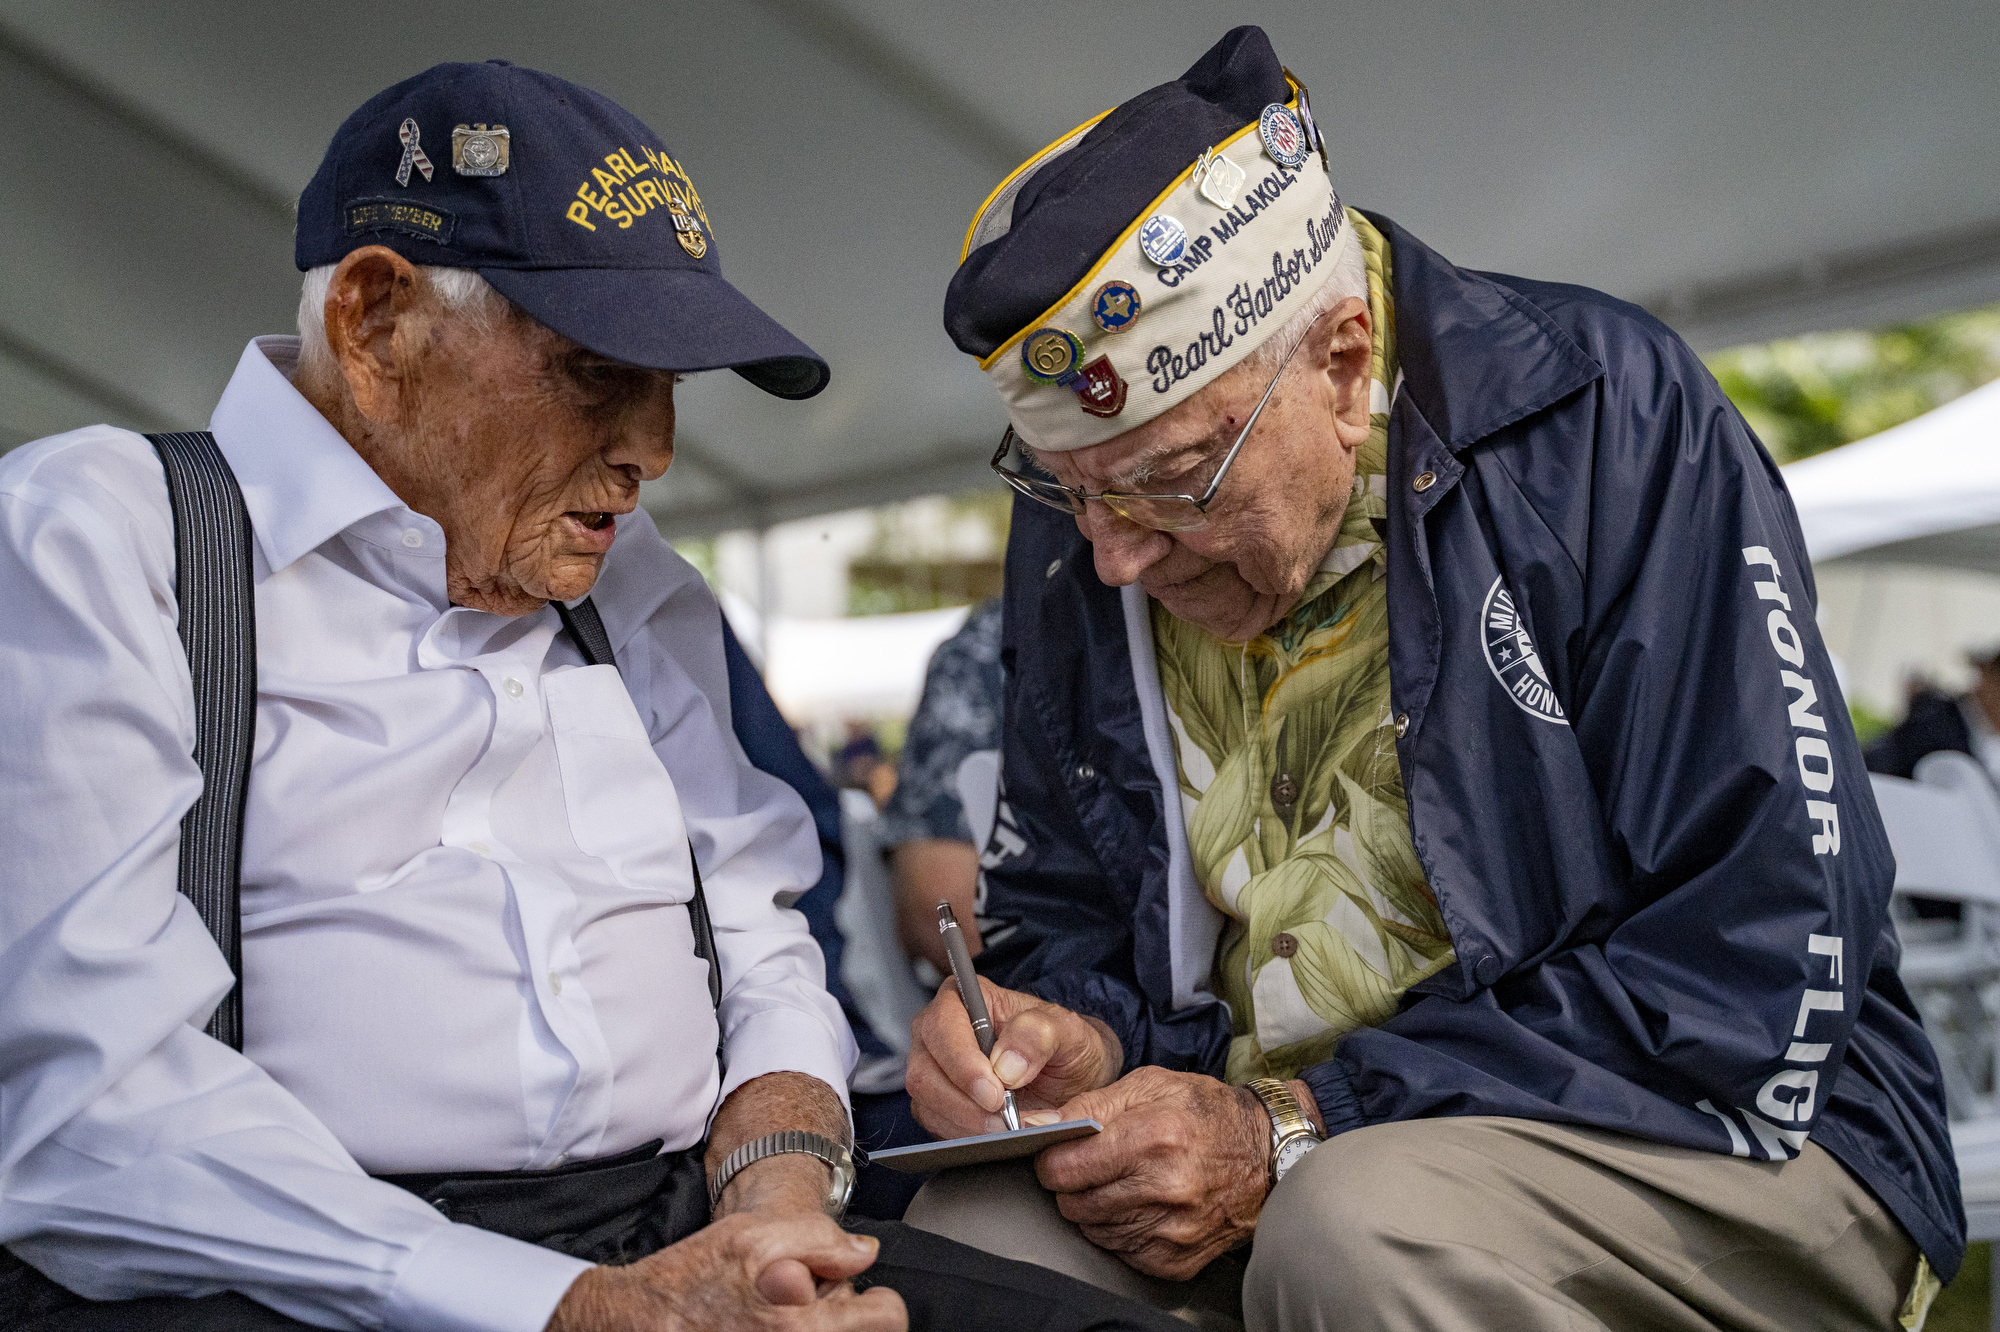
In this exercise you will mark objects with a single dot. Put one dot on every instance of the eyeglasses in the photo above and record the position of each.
(1162, 513)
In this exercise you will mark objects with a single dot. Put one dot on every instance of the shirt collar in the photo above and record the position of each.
(302, 482)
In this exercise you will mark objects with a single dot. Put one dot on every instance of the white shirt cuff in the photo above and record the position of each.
(779, 1040)
(464, 1279)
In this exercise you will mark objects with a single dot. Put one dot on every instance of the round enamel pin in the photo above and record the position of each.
(1051, 355)
(1283, 139)
(1115, 306)
(1163, 239)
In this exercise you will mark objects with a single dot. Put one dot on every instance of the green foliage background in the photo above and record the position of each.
(1807, 395)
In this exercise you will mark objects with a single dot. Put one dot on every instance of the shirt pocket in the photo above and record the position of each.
(622, 806)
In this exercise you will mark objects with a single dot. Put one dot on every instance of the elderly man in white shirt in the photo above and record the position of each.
(468, 963)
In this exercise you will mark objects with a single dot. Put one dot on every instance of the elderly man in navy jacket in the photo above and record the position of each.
(1433, 841)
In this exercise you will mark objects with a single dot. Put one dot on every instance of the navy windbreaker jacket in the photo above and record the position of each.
(1633, 784)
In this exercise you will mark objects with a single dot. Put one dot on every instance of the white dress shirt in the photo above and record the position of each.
(465, 863)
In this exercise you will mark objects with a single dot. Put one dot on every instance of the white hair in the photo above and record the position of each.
(1350, 278)
(461, 291)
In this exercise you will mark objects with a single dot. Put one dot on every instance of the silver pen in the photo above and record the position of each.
(975, 1002)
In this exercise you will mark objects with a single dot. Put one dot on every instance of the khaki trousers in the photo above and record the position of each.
(1499, 1225)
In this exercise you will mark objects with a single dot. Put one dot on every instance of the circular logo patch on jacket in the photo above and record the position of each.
(1511, 656)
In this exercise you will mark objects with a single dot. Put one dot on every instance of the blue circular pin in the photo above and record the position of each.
(1163, 239)
(1115, 306)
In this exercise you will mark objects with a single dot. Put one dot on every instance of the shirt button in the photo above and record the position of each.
(413, 538)
(1284, 945)
(555, 984)
(1402, 724)
(1050, 572)
(1424, 481)
(1488, 970)
(1084, 772)
(479, 849)
(513, 687)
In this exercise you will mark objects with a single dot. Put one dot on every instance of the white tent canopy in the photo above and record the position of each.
(1746, 170)
(1926, 492)
(1904, 533)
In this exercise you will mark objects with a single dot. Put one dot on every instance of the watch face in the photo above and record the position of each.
(1291, 1151)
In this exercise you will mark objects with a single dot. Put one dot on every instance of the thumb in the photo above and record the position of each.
(787, 1281)
(814, 1242)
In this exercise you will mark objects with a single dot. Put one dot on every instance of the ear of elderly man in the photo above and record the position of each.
(1432, 840)
(479, 1084)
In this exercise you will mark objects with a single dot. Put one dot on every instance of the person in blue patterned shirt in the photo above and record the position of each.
(931, 850)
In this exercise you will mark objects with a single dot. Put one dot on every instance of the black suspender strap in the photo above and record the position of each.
(218, 630)
(586, 630)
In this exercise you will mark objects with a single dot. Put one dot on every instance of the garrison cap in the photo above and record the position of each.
(561, 199)
(1133, 261)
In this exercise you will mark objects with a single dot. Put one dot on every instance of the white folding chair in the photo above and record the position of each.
(1945, 830)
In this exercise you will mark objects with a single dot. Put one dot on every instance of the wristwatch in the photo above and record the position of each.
(1292, 1134)
(838, 1159)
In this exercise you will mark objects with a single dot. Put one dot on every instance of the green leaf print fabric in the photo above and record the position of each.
(1297, 822)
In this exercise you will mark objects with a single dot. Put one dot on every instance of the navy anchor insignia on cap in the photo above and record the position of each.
(479, 151)
(686, 230)
(1283, 139)
(413, 154)
(1115, 307)
(1163, 239)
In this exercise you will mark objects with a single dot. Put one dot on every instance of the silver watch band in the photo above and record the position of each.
(838, 1159)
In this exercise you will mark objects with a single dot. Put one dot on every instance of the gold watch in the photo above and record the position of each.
(1292, 1134)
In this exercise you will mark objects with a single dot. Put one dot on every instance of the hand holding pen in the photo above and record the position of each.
(969, 993)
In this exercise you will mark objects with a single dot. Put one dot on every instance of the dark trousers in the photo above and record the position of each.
(618, 1210)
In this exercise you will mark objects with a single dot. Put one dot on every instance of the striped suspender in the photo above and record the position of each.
(218, 630)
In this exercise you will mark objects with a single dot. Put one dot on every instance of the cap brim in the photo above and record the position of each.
(666, 319)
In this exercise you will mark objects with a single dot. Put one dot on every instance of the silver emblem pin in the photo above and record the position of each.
(477, 150)
(1220, 180)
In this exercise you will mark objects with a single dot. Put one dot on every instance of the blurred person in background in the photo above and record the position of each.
(1968, 723)
(1442, 858)
(485, 1079)
(931, 851)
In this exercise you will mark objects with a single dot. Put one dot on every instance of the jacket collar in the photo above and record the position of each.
(1475, 356)
(302, 482)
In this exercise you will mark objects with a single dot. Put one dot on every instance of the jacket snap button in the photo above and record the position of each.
(1284, 945)
(1488, 970)
(1424, 481)
(1402, 724)
(1084, 772)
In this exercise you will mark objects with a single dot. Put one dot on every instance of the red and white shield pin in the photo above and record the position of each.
(1099, 390)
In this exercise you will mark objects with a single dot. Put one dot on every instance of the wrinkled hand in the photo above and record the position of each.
(1176, 1179)
(734, 1275)
(1047, 1054)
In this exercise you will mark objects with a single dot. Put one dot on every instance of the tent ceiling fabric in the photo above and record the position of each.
(1747, 171)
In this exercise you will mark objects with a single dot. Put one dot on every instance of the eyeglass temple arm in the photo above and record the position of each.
(1251, 424)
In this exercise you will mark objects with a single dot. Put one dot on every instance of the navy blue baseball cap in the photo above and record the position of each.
(561, 199)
